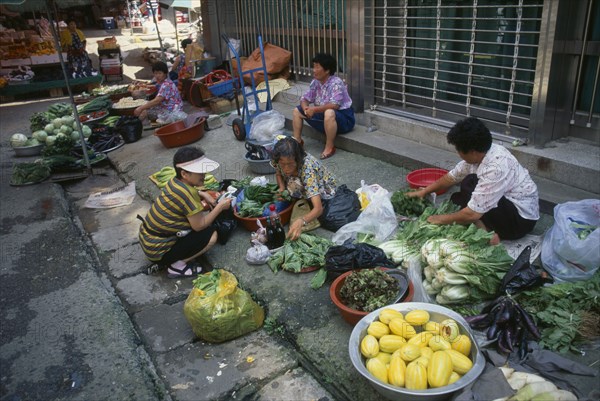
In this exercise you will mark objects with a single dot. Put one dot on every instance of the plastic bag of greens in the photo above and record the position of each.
(218, 310)
(570, 249)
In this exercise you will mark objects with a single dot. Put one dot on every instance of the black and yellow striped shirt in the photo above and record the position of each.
(167, 216)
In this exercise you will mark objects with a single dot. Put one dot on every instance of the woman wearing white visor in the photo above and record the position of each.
(177, 229)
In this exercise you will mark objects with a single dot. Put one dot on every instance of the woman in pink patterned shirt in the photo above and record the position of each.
(167, 100)
(326, 106)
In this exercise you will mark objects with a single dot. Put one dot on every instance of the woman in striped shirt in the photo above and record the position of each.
(177, 229)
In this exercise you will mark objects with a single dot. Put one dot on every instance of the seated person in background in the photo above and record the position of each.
(179, 62)
(496, 192)
(73, 41)
(167, 99)
(304, 177)
(331, 111)
(178, 210)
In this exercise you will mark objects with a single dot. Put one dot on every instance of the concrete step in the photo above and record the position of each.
(414, 154)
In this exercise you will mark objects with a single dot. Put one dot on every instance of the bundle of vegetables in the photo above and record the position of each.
(105, 139)
(61, 109)
(412, 234)
(463, 271)
(62, 145)
(99, 103)
(407, 206)
(566, 313)
(110, 121)
(307, 251)
(27, 173)
(505, 320)
(533, 387)
(257, 199)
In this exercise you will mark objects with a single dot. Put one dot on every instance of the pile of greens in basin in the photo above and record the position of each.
(368, 289)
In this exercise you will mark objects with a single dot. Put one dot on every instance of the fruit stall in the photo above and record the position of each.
(30, 63)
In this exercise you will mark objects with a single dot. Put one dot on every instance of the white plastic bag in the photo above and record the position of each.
(266, 126)
(171, 117)
(378, 219)
(566, 256)
(257, 254)
(365, 193)
(260, 181)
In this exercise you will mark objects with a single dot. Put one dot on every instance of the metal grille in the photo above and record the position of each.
(447, 59)
(304, 27)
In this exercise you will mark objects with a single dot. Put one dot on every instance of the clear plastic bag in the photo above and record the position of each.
(570, 249)
(257, 254)
(266, 126)
(378, 218)
(171, 117)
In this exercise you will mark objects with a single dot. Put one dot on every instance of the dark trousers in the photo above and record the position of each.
(504, 219)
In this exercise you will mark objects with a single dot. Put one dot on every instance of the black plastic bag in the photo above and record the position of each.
(225, 223)
(522, 275)
(257, 152)
(342, 209)
(130, 128)
(349, 256)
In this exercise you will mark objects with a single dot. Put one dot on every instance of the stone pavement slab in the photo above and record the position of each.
(231, 370)
(294, 384)
(143, 291)
(126, 260)
(112, 238)
(164, 327)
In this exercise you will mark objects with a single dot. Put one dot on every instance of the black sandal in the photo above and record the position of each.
(190, 270)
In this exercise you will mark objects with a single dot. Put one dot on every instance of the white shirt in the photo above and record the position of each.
(500, 174)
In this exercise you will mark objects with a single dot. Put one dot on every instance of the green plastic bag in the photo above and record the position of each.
(218, 310)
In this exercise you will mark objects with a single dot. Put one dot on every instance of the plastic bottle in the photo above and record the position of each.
(279, 231)
(270, 234)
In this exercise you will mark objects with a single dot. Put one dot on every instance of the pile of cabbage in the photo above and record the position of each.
(61, 126)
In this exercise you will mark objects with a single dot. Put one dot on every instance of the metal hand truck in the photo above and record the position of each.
(241, 125)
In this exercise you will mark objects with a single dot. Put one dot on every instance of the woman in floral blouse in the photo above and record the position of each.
(304, 177)
(167, 100)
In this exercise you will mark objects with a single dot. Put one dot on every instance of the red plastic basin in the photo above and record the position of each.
(425, 176)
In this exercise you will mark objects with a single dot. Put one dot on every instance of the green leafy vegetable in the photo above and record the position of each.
(407, 206)
(368, 289)
(567, 313)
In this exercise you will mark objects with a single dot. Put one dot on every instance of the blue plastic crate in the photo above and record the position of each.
(221, 88)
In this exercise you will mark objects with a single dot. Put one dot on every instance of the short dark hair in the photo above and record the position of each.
(185, 43)
(470, 134)
(288, 147)
(327, 61)
(160, 66)
(185, 154)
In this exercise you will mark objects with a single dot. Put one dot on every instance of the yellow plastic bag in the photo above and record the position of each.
(218, 310)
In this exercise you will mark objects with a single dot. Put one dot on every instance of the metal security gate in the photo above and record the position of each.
(443, 60)
(305, 27)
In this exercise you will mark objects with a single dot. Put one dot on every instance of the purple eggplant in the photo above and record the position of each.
(528, 322)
